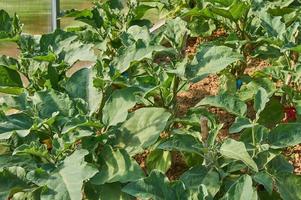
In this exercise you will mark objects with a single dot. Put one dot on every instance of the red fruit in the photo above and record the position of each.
(290, 114)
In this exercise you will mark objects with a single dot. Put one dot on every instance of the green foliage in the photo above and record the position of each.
(116, 129)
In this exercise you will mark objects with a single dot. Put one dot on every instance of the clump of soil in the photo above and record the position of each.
(197, 91)
(294, 155)
(141, 160)
(255, 64)
(192, 45)
(177, 168)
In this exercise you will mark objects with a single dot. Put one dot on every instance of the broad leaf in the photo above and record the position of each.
(273, 25)
(288, 186)
(237, 151)
(19, 123)
(12, 180)
(175, 31)
(261, 99)
(49, 102)
(269, 120)
(241, 189)
(142, 129)
(285, 135)
(230, 103)
(200, 175)
(136, 52)
(91, 17)
(158, 159)
(66, 181)
(211, 60)
(9, 77)
(109, 191)
(240, 124)
(117, 106)
(156, 186)
(183, 143)
(264, 179)
(116, 166)
(9, 27)
(80, 85)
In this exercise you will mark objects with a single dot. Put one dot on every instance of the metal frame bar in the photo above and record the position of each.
(55, 11)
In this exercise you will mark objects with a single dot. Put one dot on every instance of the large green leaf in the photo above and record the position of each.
(285, 135)
(239, 124)
(241, 189)
(158, 159)
(109, 191)
(289, 186)
(211, 60)
(80, 85)
(24, 161)
(273, 25)
(77, 51)
(279, 164)
(32, 194)
(237, 151)
(183, 143)
(12, 180)
(49, 102)
(66, 181)
(135, 52)
(67, 46)
(261, 99)
(9, 77)
(236, 11)
(142, 129)
(117, 106)
(156, 186)
(175, 31)
(248, 91)
(33, 149)
(200, 175)
(264, 179)
(19, 123)
(269, 120)
(116, 166)
(230, 103)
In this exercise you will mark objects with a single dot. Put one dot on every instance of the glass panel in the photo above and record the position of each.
(34, 14)
(36, 17)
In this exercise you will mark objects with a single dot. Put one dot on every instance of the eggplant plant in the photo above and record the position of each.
(91, 111)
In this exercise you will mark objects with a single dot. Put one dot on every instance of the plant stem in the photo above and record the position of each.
(254, 141)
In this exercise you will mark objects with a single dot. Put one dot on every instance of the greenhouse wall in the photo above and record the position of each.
(36, 14)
